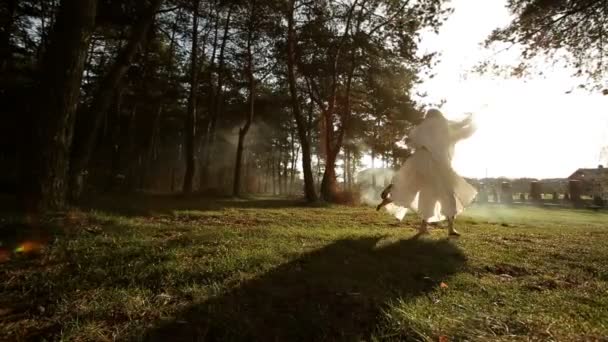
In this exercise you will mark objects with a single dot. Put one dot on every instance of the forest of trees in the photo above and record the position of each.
(206, 96)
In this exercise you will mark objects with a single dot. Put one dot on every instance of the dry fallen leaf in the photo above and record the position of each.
(443, 285)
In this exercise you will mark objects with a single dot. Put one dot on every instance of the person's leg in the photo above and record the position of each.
(386, 191)
(384, 202)
(423, 229)
(385, 197)
(426, 207)
(448, 209)
(451, 230)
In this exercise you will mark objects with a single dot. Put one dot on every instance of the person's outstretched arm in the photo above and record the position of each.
(463, 132)
(462, 123)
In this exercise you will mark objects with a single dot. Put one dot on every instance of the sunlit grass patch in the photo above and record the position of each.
(244, 271)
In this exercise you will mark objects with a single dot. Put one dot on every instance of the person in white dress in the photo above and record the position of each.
(427, 183)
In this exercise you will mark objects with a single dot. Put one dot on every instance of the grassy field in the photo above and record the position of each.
(165, 269)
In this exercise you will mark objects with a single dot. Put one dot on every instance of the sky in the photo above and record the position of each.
(526, 128)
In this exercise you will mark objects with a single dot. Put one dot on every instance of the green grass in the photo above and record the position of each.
(169, 269)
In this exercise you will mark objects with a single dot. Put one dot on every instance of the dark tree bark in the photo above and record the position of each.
(115, 141)
(6, 28)
(172, 186)
(279, 171)
(294, 162)
(346, 168)
(240, 147)
(151, 152)
(318, 173)
(44, 28)
(190, 124)
(294, 156)
(332, 138)
(236, 186)
(373, 168)
(131, 155)
(309, 185)
(274, 174)
(55, 109)
(210, 103)
(328, 182)
(285, 161)
(209, 146)
(268, 177)
(90, 120)
(352, 171)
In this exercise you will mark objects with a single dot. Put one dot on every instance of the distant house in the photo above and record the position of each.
(594, 181)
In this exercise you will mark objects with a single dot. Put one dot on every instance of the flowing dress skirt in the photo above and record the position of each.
(429, 187)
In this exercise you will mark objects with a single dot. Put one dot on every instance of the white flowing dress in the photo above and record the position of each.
(426, 183)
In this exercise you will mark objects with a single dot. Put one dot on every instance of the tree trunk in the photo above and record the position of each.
(333, 139)
(294, 162)
(152, 148)
(279, 175)
(44, 29)
(131, 154)
(203, 173)
(90, 120)
(294, 156)
(259, 179)
(190, 124)
(266, 177)
(309, 185)
(329, 182)
(373, 168)
(55, 110)
(346, 167)
(286, 172)
(114, 140)
(6, 28)
(209, 148)
(243, 131)
(236, 184)
(333, 144)
(246, 172)
(172, 186)
(318, 173)
(274, 175)
(353, 171)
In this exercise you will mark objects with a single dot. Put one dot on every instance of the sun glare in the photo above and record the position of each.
(529, 130)
(536, 127)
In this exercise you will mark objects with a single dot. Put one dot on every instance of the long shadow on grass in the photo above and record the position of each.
(334, 293)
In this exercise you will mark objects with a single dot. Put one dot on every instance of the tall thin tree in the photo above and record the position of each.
(309, 185)
(190, 124)
(53, 116)
(249, 71)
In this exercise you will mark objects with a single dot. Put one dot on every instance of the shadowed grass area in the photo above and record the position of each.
(167, 268)
(336, 292)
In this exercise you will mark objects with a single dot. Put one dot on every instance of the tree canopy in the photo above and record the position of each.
(572, 32)
(214, 96)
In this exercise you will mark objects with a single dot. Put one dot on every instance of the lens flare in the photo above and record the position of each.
(29, 247)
